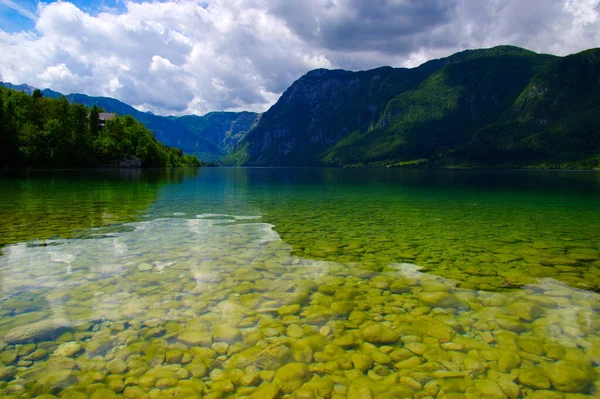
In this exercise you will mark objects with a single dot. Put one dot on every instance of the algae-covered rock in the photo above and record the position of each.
(534, 378)
(431, 327)
(68, 349)
(243, 359)
(190, 337)
(104, 393)
(7, 373)
(173, 356)
(39, 331)
(319, 317)
(361, 361)
(343, 308)
(508, 360)
(489, 389)
(226, 333)
(526, 310)
(378, 333)
(54, 381)
(116, 366)
(401, 286)
(273, 357)
(346, 341)
(289, 310)
(266, 390)
(291, 377)
(442, 300)
(569, 376)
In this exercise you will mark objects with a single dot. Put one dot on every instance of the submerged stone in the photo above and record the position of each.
(273, 357)
(291, 377)
(380, 334)
(569, 376)
(226, 333)
(39, 331)
(68, 349)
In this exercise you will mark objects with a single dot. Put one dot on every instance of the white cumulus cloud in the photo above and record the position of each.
(187, 56)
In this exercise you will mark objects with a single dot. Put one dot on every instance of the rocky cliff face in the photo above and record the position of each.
(442, 113)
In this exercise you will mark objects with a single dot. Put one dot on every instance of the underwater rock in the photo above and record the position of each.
(39, 331)
(291, 377)
(273, 357)
(569, 376)
(7, 373)
(68, 349)
(380, 334)
(226, 333)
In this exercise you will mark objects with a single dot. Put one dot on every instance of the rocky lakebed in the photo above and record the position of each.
(220, 307)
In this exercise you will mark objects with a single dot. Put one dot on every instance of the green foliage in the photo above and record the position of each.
(51, 132)
(499, 107)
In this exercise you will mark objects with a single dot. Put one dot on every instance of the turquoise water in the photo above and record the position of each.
(300, 283)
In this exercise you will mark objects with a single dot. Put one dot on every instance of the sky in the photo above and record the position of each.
(177, 57)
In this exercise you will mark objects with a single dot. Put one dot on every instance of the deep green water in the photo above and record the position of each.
(308, 283)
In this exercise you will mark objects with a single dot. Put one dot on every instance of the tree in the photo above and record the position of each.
(95, 124)
(37, 94)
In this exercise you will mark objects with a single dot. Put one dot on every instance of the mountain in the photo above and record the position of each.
(209, 137)
(498, 107)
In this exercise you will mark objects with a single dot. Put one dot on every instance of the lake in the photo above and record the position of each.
(300, 283)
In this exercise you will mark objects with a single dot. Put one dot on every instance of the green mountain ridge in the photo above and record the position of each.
(498, 107)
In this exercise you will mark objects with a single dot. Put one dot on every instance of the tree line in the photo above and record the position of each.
(41, 132)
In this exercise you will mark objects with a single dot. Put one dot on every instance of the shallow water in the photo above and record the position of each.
(304, 283)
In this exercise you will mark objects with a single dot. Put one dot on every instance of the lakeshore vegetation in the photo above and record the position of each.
(41, 132)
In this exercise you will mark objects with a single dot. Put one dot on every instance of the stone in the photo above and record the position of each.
(295, 331)
(167, 382)
(525, 310)
(145, 267)
(195, 338)
(8, 357)
(401, 286)
(45, 330)
(288, 310)
(220, 348)
(273, 357)
(508, 360)
(104, 393)
(431, 327)
(379, 334)
(53, 381)
(116, 366)
(489, 389)
(534, 378)
(346, 341)
(319, 317)
(361, 361)
(135, 392)
(570, 376)
(343, 308)
(173, 356)
(7, 373)
(291, 377)
(226, 333)
(68, 349)
(442, 300)
(38, 354)
(266, 390)
(71, 394)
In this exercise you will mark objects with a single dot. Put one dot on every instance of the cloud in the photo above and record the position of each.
(185, 56)
(20, 9)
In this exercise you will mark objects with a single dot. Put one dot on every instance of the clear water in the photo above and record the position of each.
(303, 283)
